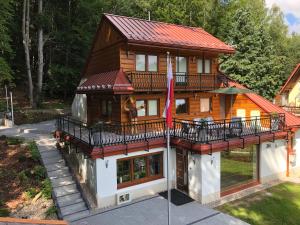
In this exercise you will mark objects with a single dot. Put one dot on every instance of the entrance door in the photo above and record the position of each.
(182, 170)
(181, 70)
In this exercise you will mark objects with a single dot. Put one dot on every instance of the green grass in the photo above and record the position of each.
(14, 140)
(277, 205)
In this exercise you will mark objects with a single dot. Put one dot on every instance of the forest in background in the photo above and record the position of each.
(57, 34)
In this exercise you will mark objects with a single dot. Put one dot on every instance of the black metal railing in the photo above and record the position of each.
(200, 131)
(152, 81)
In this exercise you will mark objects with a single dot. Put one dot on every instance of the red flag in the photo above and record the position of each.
(170, 95)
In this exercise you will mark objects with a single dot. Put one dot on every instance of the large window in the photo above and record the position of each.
(150, 107)
(239, 167)
(204, 66)
(181, 106)
(146, 63)
(106, 108)
(135, 170)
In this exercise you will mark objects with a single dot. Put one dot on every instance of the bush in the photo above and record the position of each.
(51, 211)
(39, 172)
(23, 177)
(31, 192)
(35, 154)
(46, 188)
(4, 212)
(22, 158)
(14, 140)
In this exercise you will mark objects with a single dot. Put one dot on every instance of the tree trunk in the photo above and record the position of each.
(40, 69)
(26, 43)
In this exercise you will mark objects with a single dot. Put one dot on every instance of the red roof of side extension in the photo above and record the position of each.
(289, 78)
(269, 107)
(165, 34)
(115, 81)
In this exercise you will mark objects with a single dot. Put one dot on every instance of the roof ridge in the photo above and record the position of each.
(155, 21)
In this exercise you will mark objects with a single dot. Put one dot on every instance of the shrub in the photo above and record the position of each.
(22, 158)
(35, 154)
(39, 172)
(23, 177)
(14, 140)
(46, 188)
(31, 192)
(4, 212)
(51, 211)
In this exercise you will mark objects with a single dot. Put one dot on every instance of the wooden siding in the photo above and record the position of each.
(193, 106)
(105, 51)
(240, 102)
(127, 59)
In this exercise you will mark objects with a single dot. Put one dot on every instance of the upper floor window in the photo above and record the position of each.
(181, 64)
(106, 107)
(204, 66)
(146, 63)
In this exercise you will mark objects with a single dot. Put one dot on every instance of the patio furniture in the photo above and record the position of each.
(236, 126)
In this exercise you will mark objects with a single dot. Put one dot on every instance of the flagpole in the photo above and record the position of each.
(168, 160)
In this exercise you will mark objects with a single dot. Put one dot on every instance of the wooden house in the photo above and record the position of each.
(121, 156)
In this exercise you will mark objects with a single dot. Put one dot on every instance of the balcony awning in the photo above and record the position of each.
(112, 81)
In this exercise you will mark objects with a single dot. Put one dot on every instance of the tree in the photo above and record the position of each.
(6, 52)
(26, 43)
(255, 63)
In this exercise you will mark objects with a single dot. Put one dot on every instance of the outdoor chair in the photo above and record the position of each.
(236, 126)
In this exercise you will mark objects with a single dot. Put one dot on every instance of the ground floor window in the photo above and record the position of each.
(239, 167)
(139, 169)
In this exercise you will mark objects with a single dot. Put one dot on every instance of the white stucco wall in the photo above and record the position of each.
(295, 160)
(107, 178)
(79, 106)
(205, 177)
(273, 160)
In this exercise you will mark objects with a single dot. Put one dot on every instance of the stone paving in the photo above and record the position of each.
(153, 211)
(67, 197)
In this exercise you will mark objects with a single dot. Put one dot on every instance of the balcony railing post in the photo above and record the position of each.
(145, 130)
(224, 130)
(200, 85)
(270, 117)
(207, 132)
(255, 127)
(151, 77)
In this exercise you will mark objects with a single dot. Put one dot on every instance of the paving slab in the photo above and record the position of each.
(65, 190)
(69, 199)
(59, 173)
(71, 209)
(56, 166)
(78, 215)
(62, 181)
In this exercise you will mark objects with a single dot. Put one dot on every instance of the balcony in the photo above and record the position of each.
(193, 132)
(156, 82)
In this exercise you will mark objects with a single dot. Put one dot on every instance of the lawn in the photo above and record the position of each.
(277, 205)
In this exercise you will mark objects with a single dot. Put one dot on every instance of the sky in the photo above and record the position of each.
(291, 10)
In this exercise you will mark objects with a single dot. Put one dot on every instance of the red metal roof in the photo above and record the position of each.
(113, 80)
(165, 34)
(269, 107)
(290, 78)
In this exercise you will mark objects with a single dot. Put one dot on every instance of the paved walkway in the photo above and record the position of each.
(66, 194)
(153, 211)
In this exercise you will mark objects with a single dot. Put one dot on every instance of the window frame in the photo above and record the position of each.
(147, 107)
(210, 104)
(187, 106)
(147, 62)
(203, 65)
(148, 177)
(108, 112)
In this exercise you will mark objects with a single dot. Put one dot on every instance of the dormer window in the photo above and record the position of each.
(146, 63)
